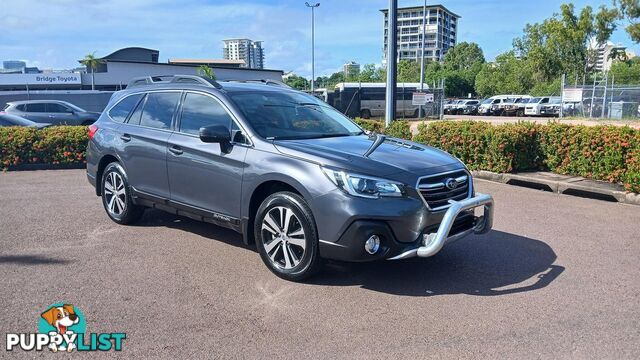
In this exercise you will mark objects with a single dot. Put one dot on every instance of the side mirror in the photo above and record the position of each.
(217, 134)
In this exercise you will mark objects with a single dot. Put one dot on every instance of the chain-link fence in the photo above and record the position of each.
(602, 100)
(367, 100)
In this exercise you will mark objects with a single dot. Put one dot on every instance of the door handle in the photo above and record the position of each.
(175, 149)
(125, 137)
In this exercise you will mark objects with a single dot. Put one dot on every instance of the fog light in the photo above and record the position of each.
(372, 244)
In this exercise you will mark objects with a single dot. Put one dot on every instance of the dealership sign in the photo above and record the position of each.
(41, 79)
(420, 98)
(572, 95)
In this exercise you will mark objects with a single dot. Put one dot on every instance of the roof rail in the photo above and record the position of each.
(263, 81)
(167, 79)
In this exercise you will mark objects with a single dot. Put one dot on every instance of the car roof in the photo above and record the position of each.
(20, 102)
(225, 87)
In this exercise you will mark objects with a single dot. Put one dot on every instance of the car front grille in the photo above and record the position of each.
(435, 192)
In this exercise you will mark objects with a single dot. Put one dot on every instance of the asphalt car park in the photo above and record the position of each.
(557, 277)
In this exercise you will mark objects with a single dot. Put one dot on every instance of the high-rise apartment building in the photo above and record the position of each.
(249, 51)
(440, 33)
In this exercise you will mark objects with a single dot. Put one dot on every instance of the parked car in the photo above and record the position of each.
(54, 112)
(497, 109)
(552, 108)
(535, 105)
(14, 120)
(450, 106)
(466, 107)
(281, 167)
(495, 104)
(516, 107)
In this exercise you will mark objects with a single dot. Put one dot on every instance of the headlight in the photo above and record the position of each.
(364, 186)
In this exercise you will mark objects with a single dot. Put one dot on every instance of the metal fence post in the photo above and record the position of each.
(604, 96)
(442, 99)
(593, 94)
(392, 55)
(561, 114)
(613, 80)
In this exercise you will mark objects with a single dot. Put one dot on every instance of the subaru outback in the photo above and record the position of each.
(281, 167)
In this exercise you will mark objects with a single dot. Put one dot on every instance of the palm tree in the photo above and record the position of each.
(91, 62)
(206, 71)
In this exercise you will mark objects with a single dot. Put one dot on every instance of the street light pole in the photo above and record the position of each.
(313, 75)
(424, 29)
(392, 53)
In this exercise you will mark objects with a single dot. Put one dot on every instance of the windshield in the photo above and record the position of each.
(554, 101)
(292, 115)
(15, 120)
(535, 100)
(486, 101)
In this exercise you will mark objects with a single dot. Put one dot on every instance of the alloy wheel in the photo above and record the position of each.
(115, 193)
(283, 237)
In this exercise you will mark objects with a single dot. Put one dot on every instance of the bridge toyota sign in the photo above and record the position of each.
(41, 79)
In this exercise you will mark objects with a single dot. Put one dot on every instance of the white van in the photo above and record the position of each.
(494, 102)
(535, 105)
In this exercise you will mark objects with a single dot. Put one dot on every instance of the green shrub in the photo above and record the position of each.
(399, 129)
(607, 153)
(52, 145)
(482, 146)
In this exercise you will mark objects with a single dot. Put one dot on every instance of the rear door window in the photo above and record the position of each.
(37, 107)
(57, 108)
(159, 109)
(121, 110)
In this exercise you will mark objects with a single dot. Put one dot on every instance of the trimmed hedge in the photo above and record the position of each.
(398, 129)
(57, 145)
(609, 153)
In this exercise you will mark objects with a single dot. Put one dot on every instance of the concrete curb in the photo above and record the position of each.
(31, 167)
(563, 184)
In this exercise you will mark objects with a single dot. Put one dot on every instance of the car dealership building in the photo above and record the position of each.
(113, 73)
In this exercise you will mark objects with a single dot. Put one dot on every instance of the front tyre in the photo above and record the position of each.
(116, 196)
(286, 236)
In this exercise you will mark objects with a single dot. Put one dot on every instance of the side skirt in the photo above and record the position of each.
(192, 212)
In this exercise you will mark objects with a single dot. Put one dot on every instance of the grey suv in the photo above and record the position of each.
(282, 168)
(54, 112)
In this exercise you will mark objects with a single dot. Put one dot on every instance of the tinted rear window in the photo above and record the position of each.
(159, 108)
(57, 108)
(122, 109)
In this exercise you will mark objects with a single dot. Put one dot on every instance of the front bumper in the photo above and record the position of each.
(417, 232)
(433, 242)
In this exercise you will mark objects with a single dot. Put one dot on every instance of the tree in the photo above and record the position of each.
(626, 72)
(630, 10)
(560, 44)
(91, 62)
(206, 71)
(463, 56)
(297, 82)
(507, 75)
(408, 71)
(460, 67)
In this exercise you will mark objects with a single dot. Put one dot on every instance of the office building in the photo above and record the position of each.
(440, 32)
(604, 55)
(350, 69)
(249, 51)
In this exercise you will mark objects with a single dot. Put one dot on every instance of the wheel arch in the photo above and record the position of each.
(102, 164)
(260, 192)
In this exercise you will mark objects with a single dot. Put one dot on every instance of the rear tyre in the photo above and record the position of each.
(116, 196)
(520, 113)
(365, 114)
(286, 236)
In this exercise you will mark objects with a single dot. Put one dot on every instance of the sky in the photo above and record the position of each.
(54, 34)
